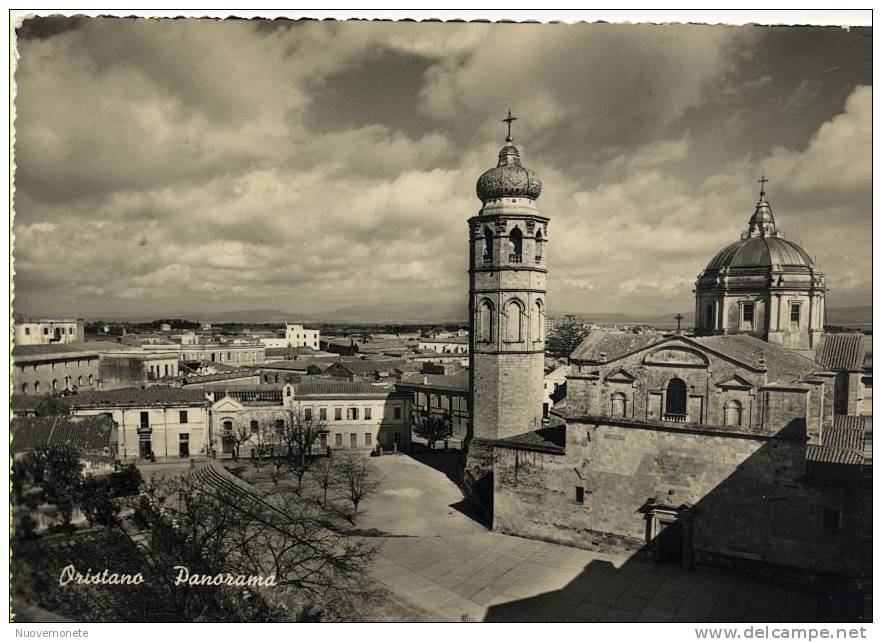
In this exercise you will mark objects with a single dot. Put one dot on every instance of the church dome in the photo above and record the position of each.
(509, 177)
(759, 252)
(761, 246)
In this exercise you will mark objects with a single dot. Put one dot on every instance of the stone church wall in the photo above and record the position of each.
(751, 507)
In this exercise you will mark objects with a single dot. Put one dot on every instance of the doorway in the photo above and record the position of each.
(669, 543)
(144, 447)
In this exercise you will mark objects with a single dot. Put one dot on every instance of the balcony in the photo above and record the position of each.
(515, 258)
(676, 419)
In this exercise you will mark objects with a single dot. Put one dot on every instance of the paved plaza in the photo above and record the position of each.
(441, 559)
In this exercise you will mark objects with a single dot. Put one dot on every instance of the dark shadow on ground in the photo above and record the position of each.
(449, 462)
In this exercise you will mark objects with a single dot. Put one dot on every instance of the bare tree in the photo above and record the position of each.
(325, 469)
(357, 477)
(431, 427)
(566, 336)
(238, 435)
(217, 526)
(299, 436)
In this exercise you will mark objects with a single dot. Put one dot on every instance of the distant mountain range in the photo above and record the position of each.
(452, 312)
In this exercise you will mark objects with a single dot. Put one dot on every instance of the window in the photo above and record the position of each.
(79, 381)
(619, 403)
(45, 330)
(27, 330)
(145, 419)
(184, 444)
(396, 412)
(514, 321)
(368, 439)
(675, 400)
(288, 391)
(36, 386)
(486, 321)
(280, 424)
(732, 413)
(488, 245)
(367, 414)
(353, 440)
(338, 439)
(794, 314)
(323, 414)
(55, 384)
(90, 380)
(182, 417)
(580, 495)
(747, 316)
(539, 246)
(228, 427)
(538, 321)
(24, 388)
(352, 414)
(516, 242)
(709, 317)
(307, 414)
(254, 426)
(338, 414)
(323, 440)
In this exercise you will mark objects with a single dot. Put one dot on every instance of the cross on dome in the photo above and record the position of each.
(762, 181)
(509, 121)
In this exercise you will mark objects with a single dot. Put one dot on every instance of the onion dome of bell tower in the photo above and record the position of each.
(509, 177)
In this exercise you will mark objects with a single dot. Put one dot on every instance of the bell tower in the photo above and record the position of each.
(507, 305)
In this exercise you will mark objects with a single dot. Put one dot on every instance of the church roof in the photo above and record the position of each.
(842, 351)
(550, 440)
(607, 346)
(761, 245)
(761, 252)
(782, 364)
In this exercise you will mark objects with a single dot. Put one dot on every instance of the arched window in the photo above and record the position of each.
(80, 381)
(709, 317)
(488, 245)
(538, 321)
(539, 241)
(516, 243)
(228, 427)
(619, 404)
(90, 380)
(254, 426)
(486, 321)
(55, 384)
(24, 388)
(675, 400)
(36, 386)
(514, 321)
(732, 413)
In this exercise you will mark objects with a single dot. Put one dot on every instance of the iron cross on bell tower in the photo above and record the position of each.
(508, 121)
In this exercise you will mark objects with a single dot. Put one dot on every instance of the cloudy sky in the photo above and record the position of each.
(168, 167)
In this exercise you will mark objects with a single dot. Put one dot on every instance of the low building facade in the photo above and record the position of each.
(28, 331)
(158, 422)
(54, 368)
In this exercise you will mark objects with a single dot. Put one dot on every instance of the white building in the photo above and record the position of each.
(296, 336)
(39, 331)
(169, 423)
(554, 388)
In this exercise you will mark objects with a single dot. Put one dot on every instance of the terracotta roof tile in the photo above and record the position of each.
(550, 440)
(842, 351)
(337, 388)
(84, 433)
(606, 346)
(783, 365)
(833, 464)
(155, 395)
